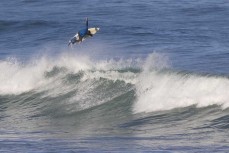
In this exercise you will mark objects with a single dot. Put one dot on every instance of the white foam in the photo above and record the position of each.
(158, 90)
(16, 78)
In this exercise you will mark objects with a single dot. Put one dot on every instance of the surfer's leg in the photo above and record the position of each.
(72, 41)
(80, 39)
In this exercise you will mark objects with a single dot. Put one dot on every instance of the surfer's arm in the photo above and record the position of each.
(87, 23)
(88, 32)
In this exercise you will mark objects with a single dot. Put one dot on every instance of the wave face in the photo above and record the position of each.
(83, 83)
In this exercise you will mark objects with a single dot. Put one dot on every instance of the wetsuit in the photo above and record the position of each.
(82, 33)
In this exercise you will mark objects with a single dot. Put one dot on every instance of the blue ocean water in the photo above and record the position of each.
(155, 78)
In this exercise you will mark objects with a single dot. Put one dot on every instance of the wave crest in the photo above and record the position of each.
(84, 83)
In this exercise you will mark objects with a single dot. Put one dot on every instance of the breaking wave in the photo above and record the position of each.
(75, 83)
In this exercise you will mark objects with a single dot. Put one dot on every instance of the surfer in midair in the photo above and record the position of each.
(80, 34)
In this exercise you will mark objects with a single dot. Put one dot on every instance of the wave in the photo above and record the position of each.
(73, 83)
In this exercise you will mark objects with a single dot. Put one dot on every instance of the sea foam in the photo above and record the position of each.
(164, 90)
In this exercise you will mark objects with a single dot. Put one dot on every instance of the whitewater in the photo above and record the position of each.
(156, 86)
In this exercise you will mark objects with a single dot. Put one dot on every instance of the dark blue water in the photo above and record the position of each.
(154, 78)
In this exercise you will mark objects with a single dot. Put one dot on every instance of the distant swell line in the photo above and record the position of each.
(8, 24)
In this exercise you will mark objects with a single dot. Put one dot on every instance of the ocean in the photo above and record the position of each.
(155, 78)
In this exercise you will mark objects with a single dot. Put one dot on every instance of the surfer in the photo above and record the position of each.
(81, 34)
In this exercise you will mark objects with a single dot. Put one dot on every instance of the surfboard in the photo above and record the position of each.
(93, 32)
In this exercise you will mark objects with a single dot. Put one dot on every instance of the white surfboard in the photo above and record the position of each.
(93, 32)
